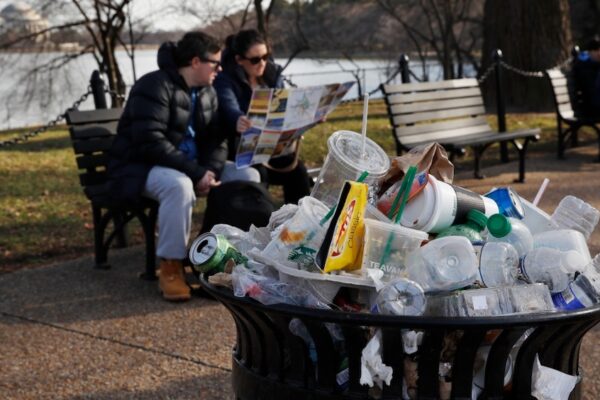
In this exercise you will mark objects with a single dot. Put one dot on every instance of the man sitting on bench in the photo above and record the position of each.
(586, 76)
(169, 148)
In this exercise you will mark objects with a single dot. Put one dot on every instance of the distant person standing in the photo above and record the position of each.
(169, 147)
(586, 77)
(248, 65)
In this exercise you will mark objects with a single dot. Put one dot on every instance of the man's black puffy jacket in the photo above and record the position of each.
(153, 125)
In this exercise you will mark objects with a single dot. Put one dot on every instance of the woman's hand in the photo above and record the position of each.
(243, 124)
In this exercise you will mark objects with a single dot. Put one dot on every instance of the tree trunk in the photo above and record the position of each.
(533, 36)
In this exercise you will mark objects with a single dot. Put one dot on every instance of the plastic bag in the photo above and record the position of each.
(241, 240)
(551, 384)
(372, 369)
(269, 290)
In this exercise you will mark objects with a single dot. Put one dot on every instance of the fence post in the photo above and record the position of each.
(98, 90)
(500, 108)
(404, 68)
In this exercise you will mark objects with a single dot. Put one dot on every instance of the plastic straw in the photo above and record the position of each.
(364, 124)
(329, 214)
(403, 193)
(541, 191)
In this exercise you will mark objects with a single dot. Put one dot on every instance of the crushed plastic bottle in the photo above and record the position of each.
(579, 294)
(510, 230)
(447, 263)
(400, 297)
(574, 213)
(546, 265)
(476, 223)
(498, 264)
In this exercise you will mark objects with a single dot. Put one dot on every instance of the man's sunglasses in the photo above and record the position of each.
(256, 60)
(216, 64)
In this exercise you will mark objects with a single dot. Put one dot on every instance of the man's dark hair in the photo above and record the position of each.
(241, 43)
(195, 44)
(593, 44)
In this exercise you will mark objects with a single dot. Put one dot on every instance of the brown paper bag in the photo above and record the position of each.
(429, 157)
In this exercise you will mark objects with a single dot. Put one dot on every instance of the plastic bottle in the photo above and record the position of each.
(498, 264)
(579, 294)
(400, 297)
(447, 263)
(566, 240)
(546, 265)
(476, 223)
(510, 230)
(574, 213)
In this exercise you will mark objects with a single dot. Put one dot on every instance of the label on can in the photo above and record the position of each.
(210, 252)
(566, 300)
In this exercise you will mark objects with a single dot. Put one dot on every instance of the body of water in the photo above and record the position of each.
(35, 100)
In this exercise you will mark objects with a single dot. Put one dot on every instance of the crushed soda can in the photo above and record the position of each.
(213, 253)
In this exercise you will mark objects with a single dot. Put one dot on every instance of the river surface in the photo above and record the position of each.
(28, 100)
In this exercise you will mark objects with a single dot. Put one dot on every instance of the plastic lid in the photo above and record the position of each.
(478, 218)
(498, 225)
(346, 146)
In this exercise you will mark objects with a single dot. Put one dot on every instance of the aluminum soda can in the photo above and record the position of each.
(210, 252)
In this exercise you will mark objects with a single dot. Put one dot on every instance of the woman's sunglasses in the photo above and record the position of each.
(256, 60)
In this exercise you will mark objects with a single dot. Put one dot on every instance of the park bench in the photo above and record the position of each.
(451, 113)
(92, 133)
(566, 114)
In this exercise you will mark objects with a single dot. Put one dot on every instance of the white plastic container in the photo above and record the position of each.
(565, 240)
(398, 240)
(440, 205)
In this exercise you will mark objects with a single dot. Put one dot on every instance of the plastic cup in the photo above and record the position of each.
(403, 241)
(440, 205)
(344, 162)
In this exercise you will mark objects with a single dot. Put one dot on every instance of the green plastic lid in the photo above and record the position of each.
(498, 225)
(478, 218)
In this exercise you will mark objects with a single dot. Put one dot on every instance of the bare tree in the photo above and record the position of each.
(448, 28)
(544, 41)
(100, 23)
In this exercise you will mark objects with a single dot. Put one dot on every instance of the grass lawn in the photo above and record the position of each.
(44, 216)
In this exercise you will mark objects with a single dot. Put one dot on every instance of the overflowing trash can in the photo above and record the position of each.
(406, 286)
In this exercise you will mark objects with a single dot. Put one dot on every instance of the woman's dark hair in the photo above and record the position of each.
(195, 44)
(239, 44)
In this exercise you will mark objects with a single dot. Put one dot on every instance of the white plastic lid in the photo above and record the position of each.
(346, 146)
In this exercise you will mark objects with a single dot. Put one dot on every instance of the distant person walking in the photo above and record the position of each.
(248, 65)
(169, 147)
(586, 76)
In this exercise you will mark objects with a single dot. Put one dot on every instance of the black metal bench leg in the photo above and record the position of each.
(598, 138)
(100, 250)
(121, 236)
(477, 153)
(561, 140)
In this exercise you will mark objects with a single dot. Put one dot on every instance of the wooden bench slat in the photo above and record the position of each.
(90, 131)
(424, 106)
(439, 94)
(443, 136)
(558, 82)
(93, 116)
(561, 90)
(555, 73)
(92, 145)
(443, 114)
(563, 98)
(92, 178)
(423, 86)
(444, 125)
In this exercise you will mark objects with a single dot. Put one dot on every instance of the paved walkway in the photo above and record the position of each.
(70, 332)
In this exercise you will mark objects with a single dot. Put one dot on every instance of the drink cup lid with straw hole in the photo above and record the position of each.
(346, 146)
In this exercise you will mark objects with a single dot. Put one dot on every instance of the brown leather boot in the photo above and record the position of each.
(171, 281)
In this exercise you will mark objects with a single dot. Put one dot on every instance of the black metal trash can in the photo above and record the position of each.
(269, 362)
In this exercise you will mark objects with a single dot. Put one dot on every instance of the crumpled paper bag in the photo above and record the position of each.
(430, 157)
(372, 369)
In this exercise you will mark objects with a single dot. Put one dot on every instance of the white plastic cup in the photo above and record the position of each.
(345, 162)
(403, 241)
(440, 205)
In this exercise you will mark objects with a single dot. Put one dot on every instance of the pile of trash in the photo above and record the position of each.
(400, 239)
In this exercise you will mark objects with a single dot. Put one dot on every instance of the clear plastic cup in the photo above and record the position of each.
(401, 242)
(345, 162)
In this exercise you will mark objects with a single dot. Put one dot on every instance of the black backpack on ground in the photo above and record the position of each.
(238, 203)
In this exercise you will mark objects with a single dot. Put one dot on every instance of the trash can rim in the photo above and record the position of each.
(346, 318)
